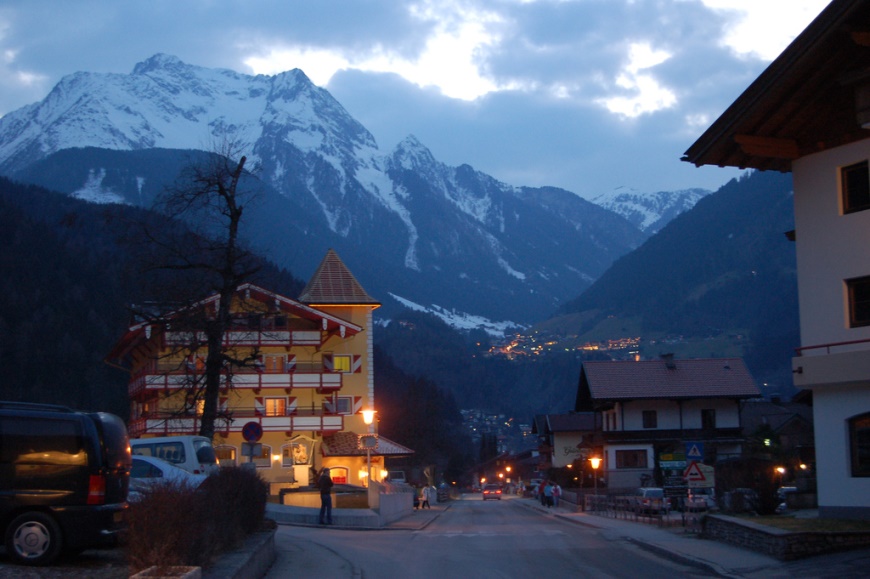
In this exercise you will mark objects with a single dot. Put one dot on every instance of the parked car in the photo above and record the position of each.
(491, 491)
(705, 495)
(64, 478)
(195, 454)
(148, 471)
(651, 500)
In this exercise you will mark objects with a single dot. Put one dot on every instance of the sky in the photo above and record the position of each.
(587, 95)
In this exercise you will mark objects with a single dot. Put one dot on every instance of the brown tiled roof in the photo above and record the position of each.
(698, 378)
(347, 444)
(333, 283)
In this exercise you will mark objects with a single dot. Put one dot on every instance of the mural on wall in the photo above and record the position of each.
(299, 451)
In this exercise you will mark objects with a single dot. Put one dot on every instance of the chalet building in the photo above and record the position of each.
(651, 408)
(566, 436)
(809, 113)
(310, 379)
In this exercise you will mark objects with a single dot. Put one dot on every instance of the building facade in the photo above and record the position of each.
(297, 399)
(652, 409)
(809, 113)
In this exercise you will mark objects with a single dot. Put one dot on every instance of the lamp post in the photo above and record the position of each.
(595, 461)
(368, 418)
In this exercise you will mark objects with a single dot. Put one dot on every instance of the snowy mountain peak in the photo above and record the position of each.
(649, 212)
(411, 154)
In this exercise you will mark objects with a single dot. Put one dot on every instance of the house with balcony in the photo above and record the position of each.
(809, 113)
(653, 408)
(308, 377)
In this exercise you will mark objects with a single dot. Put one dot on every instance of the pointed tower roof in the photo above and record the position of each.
(333, 284)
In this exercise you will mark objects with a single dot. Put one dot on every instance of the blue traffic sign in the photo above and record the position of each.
(694, 451)
(252, 431)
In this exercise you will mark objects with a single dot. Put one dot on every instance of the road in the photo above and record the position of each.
(472, 538)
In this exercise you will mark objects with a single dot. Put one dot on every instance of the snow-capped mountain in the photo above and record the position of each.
(406, 224)
(649, 211)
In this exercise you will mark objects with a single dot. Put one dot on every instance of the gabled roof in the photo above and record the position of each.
(347, 444)
(804, 102)
(140, 332)
(333, 284)
(662, 379)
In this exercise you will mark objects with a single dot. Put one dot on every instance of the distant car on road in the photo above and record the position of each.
(492, 492)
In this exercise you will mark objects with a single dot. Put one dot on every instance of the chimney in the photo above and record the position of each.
(669, 361)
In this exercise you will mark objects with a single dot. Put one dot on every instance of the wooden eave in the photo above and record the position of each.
(803, 103)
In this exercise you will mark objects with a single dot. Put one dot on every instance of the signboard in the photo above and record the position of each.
(695, 451)
(252, 431)
(368, 441)
(673, 464)
(252, 449)
(700, 475)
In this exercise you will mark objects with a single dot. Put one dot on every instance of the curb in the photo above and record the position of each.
(250, 561)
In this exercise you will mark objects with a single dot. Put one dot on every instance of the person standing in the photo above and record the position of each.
(548, 494)
(325, 484)
(557, 493)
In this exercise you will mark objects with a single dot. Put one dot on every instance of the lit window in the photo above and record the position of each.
(859, 301)
(276, 406)
(341, 363)
(226, 455)
(855, 185)
(859, 444)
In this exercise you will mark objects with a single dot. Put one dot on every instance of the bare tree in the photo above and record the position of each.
(204, 258)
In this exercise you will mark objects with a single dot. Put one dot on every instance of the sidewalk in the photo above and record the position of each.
(675, 542)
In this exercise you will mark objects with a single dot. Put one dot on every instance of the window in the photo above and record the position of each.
(276, 406)
(859, 301)
(264, 459)
(650, 419)
(341, 363)
(708, 418)
(859, 444)
(339, 405)
(272, 363)
(226, 455)
(338, 474)
(631, 459)
(855, 185)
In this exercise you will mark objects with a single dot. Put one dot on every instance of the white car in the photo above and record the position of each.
(148, 471)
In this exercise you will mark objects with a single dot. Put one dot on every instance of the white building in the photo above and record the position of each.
(809, 113)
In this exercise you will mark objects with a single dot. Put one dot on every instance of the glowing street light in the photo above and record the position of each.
(595, 461)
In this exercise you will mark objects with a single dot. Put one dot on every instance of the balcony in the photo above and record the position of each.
(831, 364)
(726, 435)
(162, 377)
(171, 424)
(252, 338)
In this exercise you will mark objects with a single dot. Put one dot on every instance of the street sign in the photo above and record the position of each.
(700, 476)
(695, 451)
(368, 441)
(252, 431)
(252, 449)
(673, 464)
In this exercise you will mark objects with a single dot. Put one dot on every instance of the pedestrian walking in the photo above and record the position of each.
(541, 496)
(325, 484)
(427, 496)
(557, 494)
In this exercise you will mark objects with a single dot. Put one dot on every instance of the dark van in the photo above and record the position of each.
(63, 480)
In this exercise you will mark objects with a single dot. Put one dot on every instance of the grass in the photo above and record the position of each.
(795, 524)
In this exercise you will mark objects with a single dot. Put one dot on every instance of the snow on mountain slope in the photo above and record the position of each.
(649, 211)
(424, 230)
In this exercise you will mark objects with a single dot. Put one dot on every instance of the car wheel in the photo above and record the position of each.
(33, 539)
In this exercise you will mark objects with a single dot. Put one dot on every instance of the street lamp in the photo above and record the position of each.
(368, 418)
(595, 461)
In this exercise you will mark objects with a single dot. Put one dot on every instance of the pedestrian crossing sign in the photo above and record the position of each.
(694, 451)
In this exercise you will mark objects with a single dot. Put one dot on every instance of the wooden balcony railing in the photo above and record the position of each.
(172, 424)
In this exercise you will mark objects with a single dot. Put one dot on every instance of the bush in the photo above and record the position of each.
(176, 525)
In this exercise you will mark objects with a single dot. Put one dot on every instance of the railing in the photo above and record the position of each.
(172, 424)
(252, 338)
(827, 347)
(312, 376)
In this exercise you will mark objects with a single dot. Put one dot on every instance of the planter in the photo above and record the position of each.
(169, 572)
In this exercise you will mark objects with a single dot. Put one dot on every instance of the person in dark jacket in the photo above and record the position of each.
(324, 483)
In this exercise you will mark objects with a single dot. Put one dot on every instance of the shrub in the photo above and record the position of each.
(174, 524)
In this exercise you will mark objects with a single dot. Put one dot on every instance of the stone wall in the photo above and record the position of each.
(784, 545)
